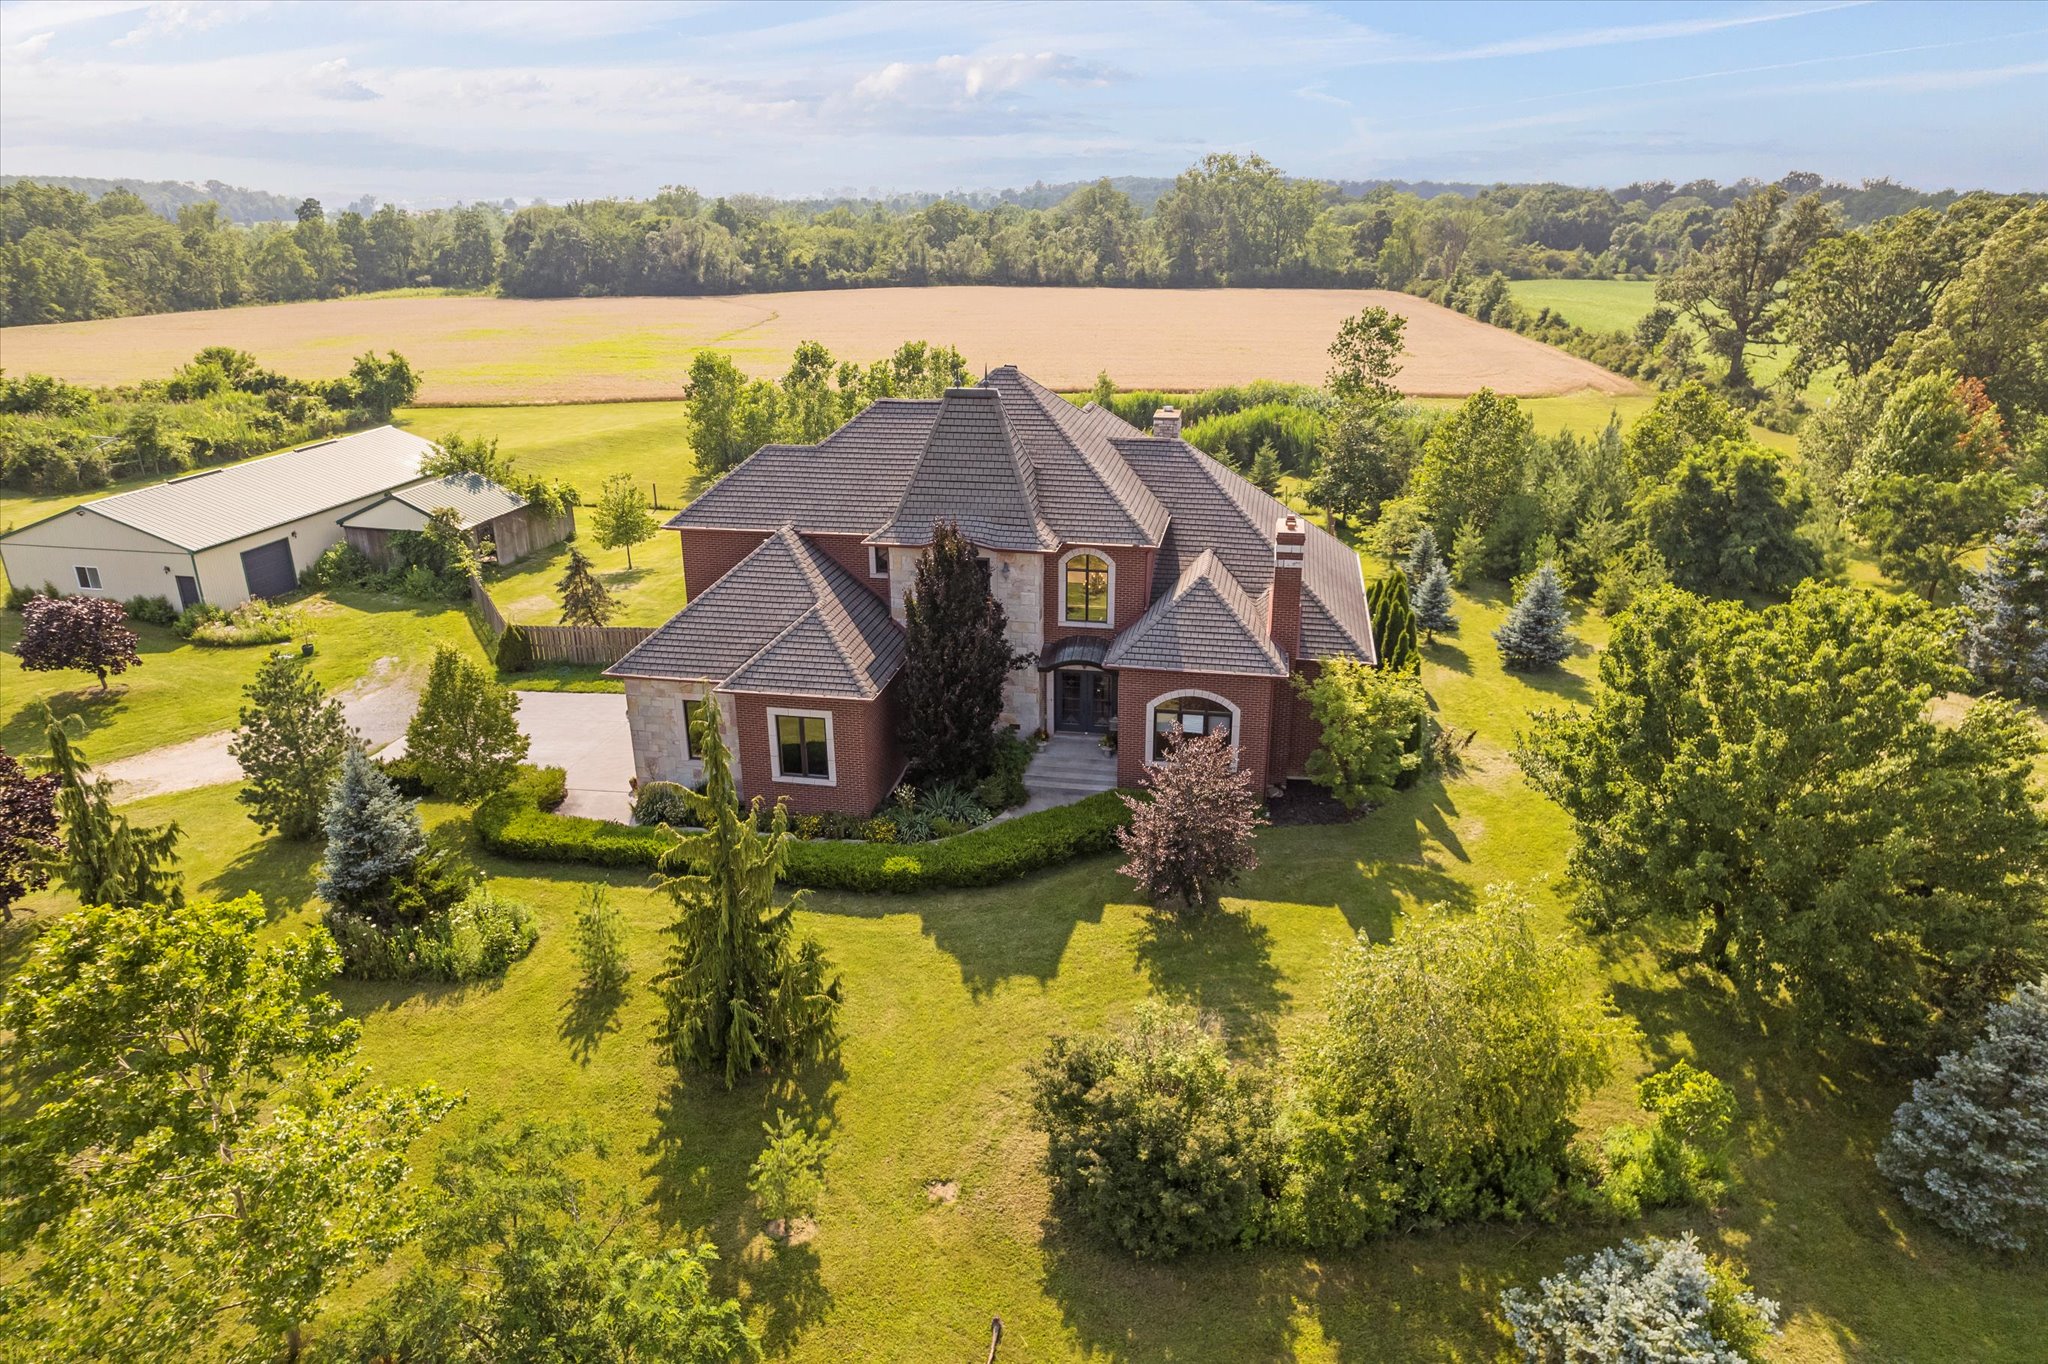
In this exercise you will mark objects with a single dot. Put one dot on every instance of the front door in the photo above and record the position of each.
(1084, 700)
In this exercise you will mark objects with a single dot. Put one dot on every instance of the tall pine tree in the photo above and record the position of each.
(1424, 558)
(374, 838)
(1432, 602)
(290, 744)
(956, 655)
(2006, 641)
(585, 599)
(742, 992)
(107, 860)
(1536, 633)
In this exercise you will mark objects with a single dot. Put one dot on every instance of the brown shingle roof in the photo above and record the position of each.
(1204, 624)
(785, 619)
(973, 471)
(847, 484)
(1086, 492)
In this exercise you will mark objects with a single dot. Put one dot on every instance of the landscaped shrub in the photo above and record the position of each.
(512, 825)
(1154, 1141)
(514, 653)
(661, 802)
(465, 738)
(1682, 1157)
(1372, 722)
(151, 610)
(339, 565)
(192, 617)
(600, 941)
(1393, 623)
(1970, 1148)
(255, 621)
(1642, 1302)
(788, 1177)
(1003, 787)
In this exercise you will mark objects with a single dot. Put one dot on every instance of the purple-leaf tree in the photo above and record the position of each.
(28, 832)
(1194, 835)
(86, 633)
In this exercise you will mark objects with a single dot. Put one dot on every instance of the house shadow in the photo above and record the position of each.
(1220, 964)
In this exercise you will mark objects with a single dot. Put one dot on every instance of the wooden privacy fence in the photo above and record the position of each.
(602, 645)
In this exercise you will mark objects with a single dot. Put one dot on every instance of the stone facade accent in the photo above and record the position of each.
(654, 718)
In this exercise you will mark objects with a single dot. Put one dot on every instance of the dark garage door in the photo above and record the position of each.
(268, 569)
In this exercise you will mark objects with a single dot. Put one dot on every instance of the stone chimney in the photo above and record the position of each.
(1290, 542)
(1166, 423)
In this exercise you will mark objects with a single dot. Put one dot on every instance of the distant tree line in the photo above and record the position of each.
(1229, 220)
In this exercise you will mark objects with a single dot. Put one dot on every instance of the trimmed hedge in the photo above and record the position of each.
(512, 825)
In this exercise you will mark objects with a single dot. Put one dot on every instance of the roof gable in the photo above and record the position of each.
(785, 619)
(1206, 624)
(1085, 491)
(972, 471)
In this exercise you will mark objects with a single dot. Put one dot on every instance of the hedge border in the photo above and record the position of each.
(512, 825)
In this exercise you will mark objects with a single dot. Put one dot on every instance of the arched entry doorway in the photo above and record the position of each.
(1083, 699)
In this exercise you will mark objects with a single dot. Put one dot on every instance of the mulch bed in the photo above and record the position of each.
(1306, 803)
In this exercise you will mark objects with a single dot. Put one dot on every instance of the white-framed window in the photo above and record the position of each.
(1087, 589)
(878, 561)
(88, 577)
(1188, 713)
(802, 744)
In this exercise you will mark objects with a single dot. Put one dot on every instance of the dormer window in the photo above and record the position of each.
(878, 561)
(1086, 592)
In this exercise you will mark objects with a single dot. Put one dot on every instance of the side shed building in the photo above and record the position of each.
(487, 511)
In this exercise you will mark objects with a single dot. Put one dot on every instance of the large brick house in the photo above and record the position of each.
(1157, 592)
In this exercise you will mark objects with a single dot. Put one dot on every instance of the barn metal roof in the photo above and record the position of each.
(473, 498)
(216, 506)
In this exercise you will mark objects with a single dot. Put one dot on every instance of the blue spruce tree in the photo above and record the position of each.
(373, 837)
(1432, 603)
(1424, 558)
(1535, 634)
(2006, 641)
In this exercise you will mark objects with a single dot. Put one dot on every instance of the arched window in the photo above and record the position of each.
(1189, 716)
(1087, 590)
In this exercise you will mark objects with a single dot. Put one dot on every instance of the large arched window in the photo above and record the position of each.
(1087, 589)
(1188, 715)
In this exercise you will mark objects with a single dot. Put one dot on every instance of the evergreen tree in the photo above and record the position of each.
(107, 860)
(464, 740)
(1970, 1148)
(374, 838)
(1423, 558)
(1432, 604)
(585, 599)
(1468, 553)
(1535, 634)
(290, 744)
(1265, 472)
(1393, 622)
(742, 992)
(956, 655)
(2006, 641)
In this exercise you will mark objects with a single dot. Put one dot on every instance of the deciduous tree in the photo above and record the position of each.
(289, 744)
(1729, 518)
(1732, 288)
(1472, 461)
(1191, 835)
(1370, 721)
(620, 517)
(86, 633)
(465, 740)
(29, 839)
(1771, 781)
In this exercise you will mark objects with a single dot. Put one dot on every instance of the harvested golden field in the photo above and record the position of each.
(496, 350)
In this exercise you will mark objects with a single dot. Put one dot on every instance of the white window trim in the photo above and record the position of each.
(78, 572)
(1152, 720)
(831, 748)
(882, 551)
(1109, 601)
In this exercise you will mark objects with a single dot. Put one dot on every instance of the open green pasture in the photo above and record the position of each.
(647, 593)
(1598, 305)
(949, 997)
(582, 444)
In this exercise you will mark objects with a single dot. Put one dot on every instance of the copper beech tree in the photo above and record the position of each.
(1194, 835)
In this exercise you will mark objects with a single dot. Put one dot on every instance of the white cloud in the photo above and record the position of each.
(177, 19)
(332, 80)
(1572, 39)
(30, 48)
(953, 78)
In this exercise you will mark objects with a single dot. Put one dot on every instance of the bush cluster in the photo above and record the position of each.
(151, 610)
(255, 621)
(513, 825)
(479, 936)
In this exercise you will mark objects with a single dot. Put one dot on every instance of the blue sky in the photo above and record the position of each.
(432, 102)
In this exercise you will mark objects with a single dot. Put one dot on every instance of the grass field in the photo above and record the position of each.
(493, 350)
(1598, 305)
(582, 444)
(949, 996)
(648, 593)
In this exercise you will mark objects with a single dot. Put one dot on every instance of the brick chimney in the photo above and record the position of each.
(1166, 423)
(1290, 541)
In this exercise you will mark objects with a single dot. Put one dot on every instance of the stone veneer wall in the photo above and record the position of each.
(1018, 580)
(654, 718)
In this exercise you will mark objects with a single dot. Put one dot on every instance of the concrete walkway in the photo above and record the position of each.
(1066, 768)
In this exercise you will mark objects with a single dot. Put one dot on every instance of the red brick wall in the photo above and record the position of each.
(850, 554)
(1254, 698)
(709, 555)
(864, 753)
(1132, 590)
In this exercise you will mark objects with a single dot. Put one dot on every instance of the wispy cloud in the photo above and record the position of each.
(178, 19)
(1618, 34)
(333, 80)
(963, 77)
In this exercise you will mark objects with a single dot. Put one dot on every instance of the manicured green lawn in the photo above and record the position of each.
(948, 997)
(1598, 305)
(648, 593)
(582, 444)
(183, 690)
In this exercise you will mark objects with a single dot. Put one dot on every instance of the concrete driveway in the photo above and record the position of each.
(584, 734)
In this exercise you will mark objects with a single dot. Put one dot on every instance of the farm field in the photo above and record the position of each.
(949, 996)
(493, 350)
(1600, 305)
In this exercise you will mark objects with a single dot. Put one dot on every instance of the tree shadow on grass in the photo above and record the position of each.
(1124, 1310)
(1371, 867)
(786, 1282)
(1445, 654)
(1221, 964)
(589, 1015)
(283, 872)
(93, 709)
(1556, 682)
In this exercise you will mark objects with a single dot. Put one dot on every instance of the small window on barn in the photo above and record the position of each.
(88, 577)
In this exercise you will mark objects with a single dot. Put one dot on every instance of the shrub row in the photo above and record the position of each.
(513, 825)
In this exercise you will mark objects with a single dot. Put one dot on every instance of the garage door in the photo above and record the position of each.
(268, 569)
